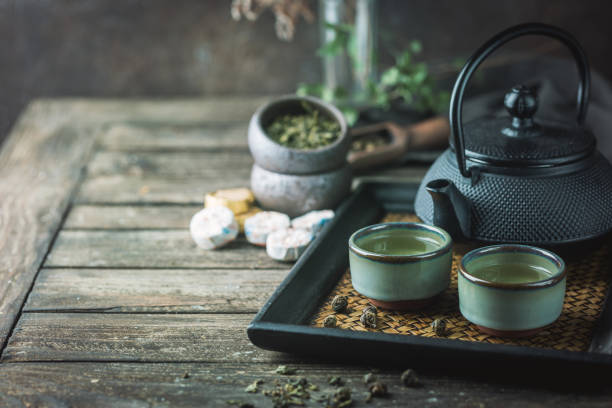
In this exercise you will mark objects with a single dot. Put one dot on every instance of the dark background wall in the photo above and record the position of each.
(135, 48)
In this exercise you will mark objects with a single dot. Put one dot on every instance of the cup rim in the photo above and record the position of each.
(375, 256)
(504, 248)
(321, 104)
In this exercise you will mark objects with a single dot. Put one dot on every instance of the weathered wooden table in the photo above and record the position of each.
(104, 298)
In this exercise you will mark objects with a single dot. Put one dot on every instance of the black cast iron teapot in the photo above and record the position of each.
(516, 179)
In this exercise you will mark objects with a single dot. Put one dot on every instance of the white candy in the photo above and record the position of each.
(213, 227)
(257, 227)
(288, 244)
(313, 221)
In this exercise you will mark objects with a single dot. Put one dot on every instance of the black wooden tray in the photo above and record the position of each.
(283, 323)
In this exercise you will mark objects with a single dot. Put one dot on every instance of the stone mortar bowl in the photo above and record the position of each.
(295, 181)
(296, 194)
(280, 159)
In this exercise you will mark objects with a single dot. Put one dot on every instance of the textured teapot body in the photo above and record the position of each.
(545, 209)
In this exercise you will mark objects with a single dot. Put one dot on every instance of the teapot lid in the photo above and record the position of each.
(519, 140)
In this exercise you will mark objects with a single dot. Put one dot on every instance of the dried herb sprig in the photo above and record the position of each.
(308, 130)
(286, 12)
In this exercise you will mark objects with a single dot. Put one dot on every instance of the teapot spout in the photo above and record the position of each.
(452, 211)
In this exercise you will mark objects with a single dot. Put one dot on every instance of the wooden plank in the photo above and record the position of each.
(174, 164)
(204, 136)
(152, 249)
(153, 290)
(41, 160)
(119, 189)
(134, 337)
(179, 111)
(190, 190)
(130, 217)
(40, 165)
(135, 385)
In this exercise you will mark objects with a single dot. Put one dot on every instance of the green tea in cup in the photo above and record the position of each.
(399, 242)
(512, 273)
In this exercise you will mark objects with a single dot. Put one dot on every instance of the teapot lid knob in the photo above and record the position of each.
(522, 104)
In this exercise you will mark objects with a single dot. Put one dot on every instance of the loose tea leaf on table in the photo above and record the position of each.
(308, 130)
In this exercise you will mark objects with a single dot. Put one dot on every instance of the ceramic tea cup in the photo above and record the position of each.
(400, 265)
(511, 290)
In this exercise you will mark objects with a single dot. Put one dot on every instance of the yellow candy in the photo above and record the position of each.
(239, 200)
(241, 218)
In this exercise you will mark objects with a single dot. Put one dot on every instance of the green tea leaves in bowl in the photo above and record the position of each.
(309, 129)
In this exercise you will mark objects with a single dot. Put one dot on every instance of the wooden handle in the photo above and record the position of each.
(429, 134)
(387, 153)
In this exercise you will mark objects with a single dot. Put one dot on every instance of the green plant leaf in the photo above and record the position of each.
(416, 46)
(404, 61)
(340, 27)
(304, 89)
(331, 48)
(390, 77)
(350, 114)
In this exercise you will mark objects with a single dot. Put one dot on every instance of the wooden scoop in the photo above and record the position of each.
(427, 135)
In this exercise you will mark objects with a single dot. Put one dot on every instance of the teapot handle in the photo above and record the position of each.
(456, 102)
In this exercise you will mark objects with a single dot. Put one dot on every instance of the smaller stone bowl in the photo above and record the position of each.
(511, 290)
(276, 158)
(400, 265)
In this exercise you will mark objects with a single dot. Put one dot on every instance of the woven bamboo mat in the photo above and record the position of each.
(587, 284)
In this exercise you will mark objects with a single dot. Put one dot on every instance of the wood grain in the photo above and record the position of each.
(41, 161)
(120, 189)
(190, 190)
(164, 138)
(179, 111)
(130, 217)
(151, 384)
(134, 337)
(153, 290)
(172, 164)
(158, 249)
(40, 165)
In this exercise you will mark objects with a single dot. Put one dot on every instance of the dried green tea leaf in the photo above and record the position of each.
(308, 130)
(284, 370)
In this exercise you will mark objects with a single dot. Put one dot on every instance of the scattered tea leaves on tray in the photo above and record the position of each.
(409, 378)
(339, 304)
(369, 378)
(330, 321)
(308, 130)
(439, 327)
(368, 318)
(284, 370)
